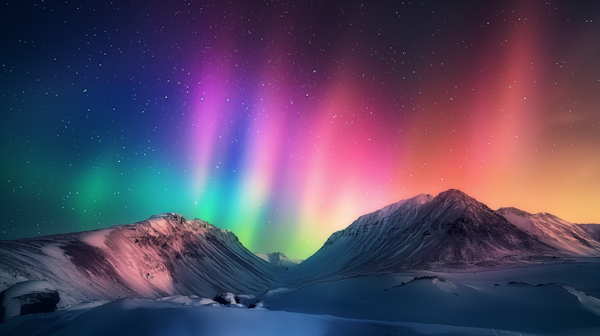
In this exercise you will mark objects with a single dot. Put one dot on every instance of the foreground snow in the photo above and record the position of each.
(536, 308)
(552, 299)
(188, 316)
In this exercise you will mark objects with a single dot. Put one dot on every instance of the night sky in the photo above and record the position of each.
(285, 121)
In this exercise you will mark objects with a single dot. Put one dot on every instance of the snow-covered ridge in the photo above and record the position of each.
(558, 233)
(164, 255)
(172, 215)
(279, 260)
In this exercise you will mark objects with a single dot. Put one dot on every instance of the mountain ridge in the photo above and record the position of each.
(161, 256)
(167, 254)
(450, 230)
(571, 238)
(279, 260)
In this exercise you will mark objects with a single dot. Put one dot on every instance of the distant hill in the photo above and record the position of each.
(279, 259)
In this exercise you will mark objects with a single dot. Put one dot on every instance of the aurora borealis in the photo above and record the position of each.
(285, 121)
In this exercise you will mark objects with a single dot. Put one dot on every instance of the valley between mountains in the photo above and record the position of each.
(443, 265)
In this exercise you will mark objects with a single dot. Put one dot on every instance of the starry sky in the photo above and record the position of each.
(286, 120)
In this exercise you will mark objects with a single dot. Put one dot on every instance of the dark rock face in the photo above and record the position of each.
(39, 302)
(227, 298)
(28, 297)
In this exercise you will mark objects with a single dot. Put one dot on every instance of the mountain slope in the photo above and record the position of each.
(449, 230)
(592, 229)
(558, 233)
(161, 256)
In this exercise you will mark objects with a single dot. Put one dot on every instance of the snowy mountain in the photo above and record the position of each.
(161, 256)
(390, 272)
(426, 232)
(558, 233)
(279, 259)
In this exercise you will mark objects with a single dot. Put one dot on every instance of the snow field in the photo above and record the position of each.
(175, 316)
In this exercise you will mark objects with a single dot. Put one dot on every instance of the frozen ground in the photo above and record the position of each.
(476, 299)
(472, 302)
(182, 316)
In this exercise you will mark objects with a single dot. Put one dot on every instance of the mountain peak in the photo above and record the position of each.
(169, 215)
(420, 199)
(454, 194)
(513, 211)
(456, 199)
